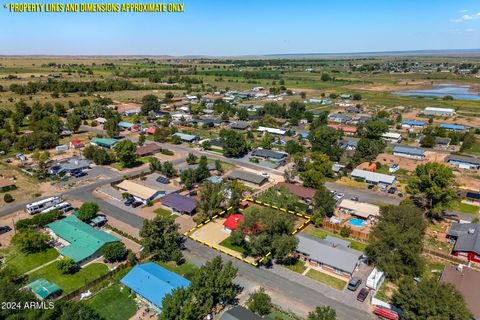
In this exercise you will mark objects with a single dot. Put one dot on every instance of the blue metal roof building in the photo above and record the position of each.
(152, 282)
(455, 127)
(413, 123)
(125, 125)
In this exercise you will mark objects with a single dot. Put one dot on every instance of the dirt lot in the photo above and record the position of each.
(10, 220)
(461, 120)
(409, 164)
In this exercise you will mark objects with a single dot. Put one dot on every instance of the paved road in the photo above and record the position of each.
(364, 195)
(300, 298)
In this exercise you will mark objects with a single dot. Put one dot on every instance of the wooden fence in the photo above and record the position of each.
(357, 234)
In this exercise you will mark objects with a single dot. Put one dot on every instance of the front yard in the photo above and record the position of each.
(326, 279)
(70, 282)
(227, 243)
(297, 266)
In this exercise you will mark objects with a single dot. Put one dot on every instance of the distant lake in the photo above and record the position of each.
(443, 89)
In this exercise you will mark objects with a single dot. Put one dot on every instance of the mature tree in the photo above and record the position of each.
(188, 177)
(322, 313)
(168, 170)
(141, 139)
(432, 187)
(468, 141)
(326, 140)
(180, 304)
(161, 238)
(67, 265)
(30, 241)
(282, 198)
(211, 196)
(323, 204)
(155, 164)
(125, 151)
(191, 158)
(428, 141)
(114, 251)
(161, 134)
(112, 128)
(235, 193)
(87, 211)
(73, 122)
(315, 170)
(357, 96)
(41, 159)
(98, 155)
(234, 143)
(367, 150)
(150, 103)
(267, 141)
(374, 129)
(430, 299)
(396, 242)
(213, 283)
(260, 302)
(292, 147)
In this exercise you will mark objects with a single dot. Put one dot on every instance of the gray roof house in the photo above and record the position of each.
(241, 313)
(240, 125)
(69, 165)
(339, 118)
(463, 162)
(349, 144)
(408, 152)
(467, 240)
(247, 177)
(331, 253)
(269, 154)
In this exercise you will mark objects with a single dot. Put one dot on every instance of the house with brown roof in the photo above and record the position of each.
(306, 194)
(466, 281)
(7, 185)
(148, 149)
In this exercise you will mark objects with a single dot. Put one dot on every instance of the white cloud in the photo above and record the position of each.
(468, 17)
(470, 30)
(463, 11)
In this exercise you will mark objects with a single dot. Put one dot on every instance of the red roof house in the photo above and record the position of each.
(150, 130)
(76, 144)
(233, 221)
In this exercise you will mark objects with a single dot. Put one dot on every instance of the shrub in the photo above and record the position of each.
(114, 251)
(67, 266)
(345, 232)
(8, 198)
(87, 211)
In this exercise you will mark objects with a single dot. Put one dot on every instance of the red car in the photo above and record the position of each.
(363, 294)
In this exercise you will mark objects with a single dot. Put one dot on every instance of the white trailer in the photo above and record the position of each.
(39, 206)
(375, 279)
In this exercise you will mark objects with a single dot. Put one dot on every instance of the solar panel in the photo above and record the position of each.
(163, 180)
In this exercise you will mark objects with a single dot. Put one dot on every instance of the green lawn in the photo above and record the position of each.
(326, 279)
(72, 282)
(298, 266)
(114, 303)
(464, 207)
(185, 270)
(278, 314)
(320, 233)
(474, 150)
(227, 243)
(25, 262)
(432, 269)
(163, 212)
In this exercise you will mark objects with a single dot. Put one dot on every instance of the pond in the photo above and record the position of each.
(458, 92)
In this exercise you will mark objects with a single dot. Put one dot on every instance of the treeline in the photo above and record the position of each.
(73, 86)
(262, 74)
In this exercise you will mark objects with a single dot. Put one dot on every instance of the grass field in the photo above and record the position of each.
(227, 243)
(163, 212)
(320, 233)
(465, 207)
(297, 266)
(114, 303)
(186, 269)
(70, 282)
(25, 262)
(326, 279)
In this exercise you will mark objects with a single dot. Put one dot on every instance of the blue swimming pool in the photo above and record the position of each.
(357, 222)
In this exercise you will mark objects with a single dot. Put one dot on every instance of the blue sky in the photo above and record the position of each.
(243, 27)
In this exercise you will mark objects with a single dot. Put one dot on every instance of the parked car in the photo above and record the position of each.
(79, 174)
(129, 201)
(383, 188)
(400, 194)
(371, 186)
(339, 196)
(362, 294)
(392, 190)
(354, 198)
(354, 283)
(265, 174)
(4, 229)
(333, 192)
(137, 204)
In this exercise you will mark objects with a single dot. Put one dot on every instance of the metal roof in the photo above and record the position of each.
(452, 126)
(153, 282)
(137, 190)
(179, 203)
(185, 137)
(240, 313)
(409, 150)
(467, 282)
(83, 239)
(44, 288)
(373, 176)
(361, 209)
(414, 123)
(334, 254)
(103, 141)
(247, 176)
(465, 159)
(266, 153)
(242, 125)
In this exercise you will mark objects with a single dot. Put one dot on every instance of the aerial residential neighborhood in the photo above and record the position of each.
(230, 174)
